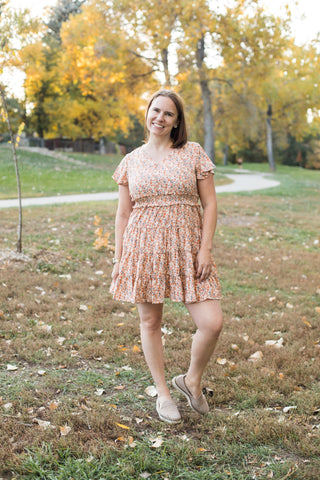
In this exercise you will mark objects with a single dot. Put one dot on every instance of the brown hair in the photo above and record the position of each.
(179, 135)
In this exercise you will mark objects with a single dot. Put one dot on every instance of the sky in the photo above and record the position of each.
(304, 29)
(305, 20)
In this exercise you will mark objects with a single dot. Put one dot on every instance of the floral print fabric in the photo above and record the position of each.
(163, 235)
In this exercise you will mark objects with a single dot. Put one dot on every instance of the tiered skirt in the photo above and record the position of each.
(160, 246)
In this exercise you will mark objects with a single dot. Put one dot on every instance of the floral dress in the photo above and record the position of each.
(163, 234)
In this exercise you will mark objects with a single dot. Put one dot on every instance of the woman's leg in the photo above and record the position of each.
(151, 339)
(207, 316)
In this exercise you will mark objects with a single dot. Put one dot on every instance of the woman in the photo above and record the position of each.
(163, 246)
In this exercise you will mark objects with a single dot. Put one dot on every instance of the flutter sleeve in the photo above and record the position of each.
(121, 173)
(204, 165)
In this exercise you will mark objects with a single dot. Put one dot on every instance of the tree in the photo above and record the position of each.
(92, 79)
(15, 159)
(15, 27)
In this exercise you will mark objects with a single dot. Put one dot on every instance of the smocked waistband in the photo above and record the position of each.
(165, 200)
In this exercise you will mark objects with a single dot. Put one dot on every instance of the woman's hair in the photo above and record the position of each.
(179, 135)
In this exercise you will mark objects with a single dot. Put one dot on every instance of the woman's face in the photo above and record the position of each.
(162, 117)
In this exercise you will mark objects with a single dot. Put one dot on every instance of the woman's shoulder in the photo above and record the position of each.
(191, 146)
(133, 154)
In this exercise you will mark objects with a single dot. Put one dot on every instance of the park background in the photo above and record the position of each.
(75, 400)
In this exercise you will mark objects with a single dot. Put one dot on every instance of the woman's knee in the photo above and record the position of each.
(150, 318)
(211, 325)
(208, 318)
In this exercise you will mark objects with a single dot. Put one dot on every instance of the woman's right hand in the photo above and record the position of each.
(115, 271)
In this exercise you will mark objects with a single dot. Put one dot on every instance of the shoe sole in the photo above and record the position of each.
(166, 420)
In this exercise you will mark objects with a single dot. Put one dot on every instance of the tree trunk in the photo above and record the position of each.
(269, 140)
(102, 146)
(165, 63)
(208, 121)
(13, 145)
(225, 154)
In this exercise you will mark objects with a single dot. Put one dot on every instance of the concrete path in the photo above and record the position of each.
(241, 182)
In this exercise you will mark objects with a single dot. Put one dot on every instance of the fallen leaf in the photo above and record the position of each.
(221, 361)
(65, 430)
(131, 442)
(97, 220)
(199, 450)
(126, 368)
(287, 409)
(317, 309)
(11, 368)
(99, 392)
(136, 349)
(83, 308)
(120, 439)
(53, 406)
(145, 475)
(43, 424)
(156, 442)
(138, 420)
(7, 406)
(44, 326)
(255, 357)
(234, 346)
(123, 426)
(289, 305)
(151, 391)
(41, 372)
(274, 343)
(165, 330)
(306, 323)
(119, 387)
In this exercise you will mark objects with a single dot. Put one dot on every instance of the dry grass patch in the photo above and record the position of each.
(76, 359)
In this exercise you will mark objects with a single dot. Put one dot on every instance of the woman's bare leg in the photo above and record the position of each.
(207, 316)
(151, 339)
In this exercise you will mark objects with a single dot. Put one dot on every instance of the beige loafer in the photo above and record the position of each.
(199, 404)
(168, 411)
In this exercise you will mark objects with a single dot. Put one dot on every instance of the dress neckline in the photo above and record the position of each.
(149, 156)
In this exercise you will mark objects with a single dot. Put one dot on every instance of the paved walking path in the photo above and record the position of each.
(241, 182)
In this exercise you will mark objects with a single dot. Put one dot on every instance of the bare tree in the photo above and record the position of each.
(269, 139)
(15, 158)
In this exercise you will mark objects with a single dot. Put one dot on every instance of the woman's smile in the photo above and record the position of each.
(162, 116)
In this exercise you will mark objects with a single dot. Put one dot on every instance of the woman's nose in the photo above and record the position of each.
(160, 116)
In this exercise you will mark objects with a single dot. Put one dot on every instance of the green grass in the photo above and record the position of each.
(43, 175)
(266, 250)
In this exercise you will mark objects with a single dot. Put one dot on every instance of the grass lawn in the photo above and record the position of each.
(43, 175)
(73, 403)
(62, 174)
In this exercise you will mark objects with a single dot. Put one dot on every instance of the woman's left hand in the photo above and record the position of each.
(203, 264)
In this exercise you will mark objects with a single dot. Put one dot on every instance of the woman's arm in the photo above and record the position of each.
(124, 209)
(208, 200)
